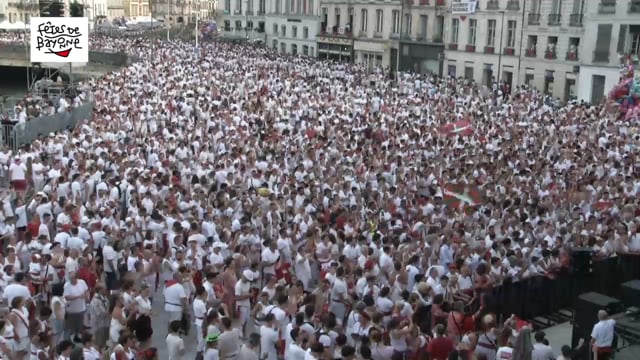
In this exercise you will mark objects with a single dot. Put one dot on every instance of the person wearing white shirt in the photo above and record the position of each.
(199, 314)
(175, 344)
(243, 294)
(602, 336)
(76, 293)
(541, 351)
(175, 298)
(270, 256)
(294, 350)
(269, 337)
(339, 293)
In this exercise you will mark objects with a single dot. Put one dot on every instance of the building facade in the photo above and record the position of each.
(17, 10)
(614, 30)
(533, 42)
(421, 38)
(292, 26)
(135, 8)
(242, 19)
(115, 9)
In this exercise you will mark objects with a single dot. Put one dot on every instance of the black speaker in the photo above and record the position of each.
(630, 293)
(586, 309)
(581, 260)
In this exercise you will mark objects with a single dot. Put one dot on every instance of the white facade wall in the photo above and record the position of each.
(610, 69)
(555, 76)
(300, 41)
(372, 47)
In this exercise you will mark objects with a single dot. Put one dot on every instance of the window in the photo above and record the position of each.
(363, 20)
(294, 31)
(395, 15)
(275, 44)
(283, 30)
(491, 33)
(312, 51)
(227, 5)
(250, 25)
(556, 6)
(305, 50)
(275, 29)
(278, 6)
(283, 48)
(473, 25)
(407, 23)
(455, 28)
(511, 34)
(337, 23)
(305, 32)
(423, 26)
(227, 25)
(294, 49)
(535, 6)
(238, 25)
(378, 21)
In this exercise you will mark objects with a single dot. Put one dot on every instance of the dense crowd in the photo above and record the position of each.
(283, 207)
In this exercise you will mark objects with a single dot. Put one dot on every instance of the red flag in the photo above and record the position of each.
(461, 127)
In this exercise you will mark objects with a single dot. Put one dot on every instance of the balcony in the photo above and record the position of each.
(575, 19)
(441, 2)
(226, 12)
(634, 7)
(601, 56)
(572, 55)
(249, 12)
(607, 8)
(493, 5)
(530, 52)
(550, 55)
(554, 20)
(394, 35)
(260, 12)
(509, 51)
(424, 2)
(513, 5)
(489, 50)
(377, 35)
(438, 39)
(534, 19)
(421, 37)
(453, 47)
(237, 12)
(470, 48)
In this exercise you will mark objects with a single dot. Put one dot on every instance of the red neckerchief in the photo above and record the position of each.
(170, 282)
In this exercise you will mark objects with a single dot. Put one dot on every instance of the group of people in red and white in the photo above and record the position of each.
(277, 207)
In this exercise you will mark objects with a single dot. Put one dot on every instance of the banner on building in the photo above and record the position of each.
(59, 39)
(463, 6)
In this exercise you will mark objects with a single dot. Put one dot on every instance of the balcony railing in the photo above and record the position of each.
(453, 46)
(237, 12)
(572, 55)
(421, 37)
(534, 19)
(634, 7)
(575, 19)
(441, 2)
(607, 8)
(438, 39)
(554, 19)
(394, 36)
(470, 48)
(550, 55)
(424, 2)
(513, 5)
(226, 12)
(509, 51)
(489, 50)
(530, 53)
(493, 5)
(600, 56)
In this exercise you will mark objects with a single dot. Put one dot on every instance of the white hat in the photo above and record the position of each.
(219, 245)
(248, 274)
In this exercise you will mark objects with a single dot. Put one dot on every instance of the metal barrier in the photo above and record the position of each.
(538, 296)
(16, 135)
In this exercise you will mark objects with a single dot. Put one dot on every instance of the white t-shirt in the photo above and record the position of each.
(243, 288)
(212, 354)
(175, 345)
(109, 254)
(17, 171)
(504, 353)
(268, 341)
(77, 305)
(269, 256)
(12, 291)
(603, 332)
(173, 296)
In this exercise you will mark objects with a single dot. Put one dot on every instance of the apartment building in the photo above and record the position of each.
(17, 10)
(292, 26)
(614, 30)
(242, 19)
(180, 12)
(533, 42)
(115, 9)
(421, 39)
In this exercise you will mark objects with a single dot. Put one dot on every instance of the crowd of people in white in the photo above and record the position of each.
(293, 208)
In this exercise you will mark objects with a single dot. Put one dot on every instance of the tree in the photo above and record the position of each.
(76, 10)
